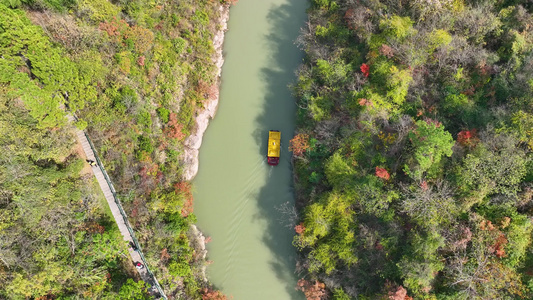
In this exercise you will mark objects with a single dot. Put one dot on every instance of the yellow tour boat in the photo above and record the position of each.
(274, 147)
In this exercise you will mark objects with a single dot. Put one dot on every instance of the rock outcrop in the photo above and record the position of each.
(202, 117)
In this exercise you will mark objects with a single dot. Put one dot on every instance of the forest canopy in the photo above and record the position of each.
(413, 153)
(134, 73)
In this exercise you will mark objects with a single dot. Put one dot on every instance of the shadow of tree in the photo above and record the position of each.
(278, 113)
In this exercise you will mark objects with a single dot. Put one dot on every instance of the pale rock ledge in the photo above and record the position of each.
(194, 141)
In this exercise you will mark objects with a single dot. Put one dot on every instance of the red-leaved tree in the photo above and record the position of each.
(468, 137)
(312, 291)
(396, 292)
(365, 69)
(499, 246)
(184, 188)
(209, 294)
(207, 91)
(365, 102)
(300, 228)
(399, 294)
(164, 256)
(174, 129)
(348, 16)
(299, 144)
(382, 173)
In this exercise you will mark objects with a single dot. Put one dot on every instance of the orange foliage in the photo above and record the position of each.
(187, 207)
(399, 294)
(184, 188)
(120, 30)
(299, 144)
(173, 128)
(111, 28)
(209, 294)
(498, 237)
(300, 228)
(116, 29)
(382, 173)
(498, 247)
(312, 291)
(396, 292)
(207, 91)
(164, 256)
(93, 227)
(486, 225)
(365, 102)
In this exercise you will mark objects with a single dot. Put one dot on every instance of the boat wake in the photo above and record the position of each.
(241, 206)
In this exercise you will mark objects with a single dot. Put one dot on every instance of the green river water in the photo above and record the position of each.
(236, 192)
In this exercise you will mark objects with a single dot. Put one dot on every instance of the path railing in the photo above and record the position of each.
(154, 282)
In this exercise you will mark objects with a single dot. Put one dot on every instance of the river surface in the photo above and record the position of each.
(236, 191)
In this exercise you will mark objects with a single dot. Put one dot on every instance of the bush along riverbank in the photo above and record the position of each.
(413, 153)
(137, 74)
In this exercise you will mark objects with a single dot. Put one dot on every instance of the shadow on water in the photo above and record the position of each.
(278, 113)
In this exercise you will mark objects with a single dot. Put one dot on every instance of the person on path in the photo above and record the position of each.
(132, 246)
(91, 162)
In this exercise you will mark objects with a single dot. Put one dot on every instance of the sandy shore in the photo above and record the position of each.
(202, 117)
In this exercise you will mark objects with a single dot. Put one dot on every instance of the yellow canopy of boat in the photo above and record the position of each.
(274, 143)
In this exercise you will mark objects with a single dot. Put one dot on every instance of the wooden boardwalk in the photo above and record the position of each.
(118, 213)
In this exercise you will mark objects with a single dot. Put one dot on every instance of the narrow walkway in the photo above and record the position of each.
(118, 213)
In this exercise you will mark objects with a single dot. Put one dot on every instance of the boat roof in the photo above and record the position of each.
(274, 143)
(274, 134)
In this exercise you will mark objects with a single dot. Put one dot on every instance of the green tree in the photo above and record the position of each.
(496, 166)
(132, 290)
(338, 172)
(329, 228)
(421, 263)
(50, 80)
(430, 143)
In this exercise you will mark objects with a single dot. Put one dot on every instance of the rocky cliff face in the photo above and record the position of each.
(194, 141)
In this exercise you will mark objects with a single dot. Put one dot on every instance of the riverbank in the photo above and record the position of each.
(198, 243)
(201, 120)
(202, 117)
